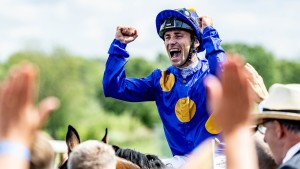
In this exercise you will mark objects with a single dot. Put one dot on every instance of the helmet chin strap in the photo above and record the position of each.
(191, 51)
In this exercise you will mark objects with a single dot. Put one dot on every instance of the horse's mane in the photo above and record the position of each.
(133, 157)
(144, 161)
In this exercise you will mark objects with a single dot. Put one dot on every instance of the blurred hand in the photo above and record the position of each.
(204, 21)
(257, 87)
(19, 117)
(229, 98)
(126, 34)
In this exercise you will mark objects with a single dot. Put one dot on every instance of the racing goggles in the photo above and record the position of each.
(172, 23)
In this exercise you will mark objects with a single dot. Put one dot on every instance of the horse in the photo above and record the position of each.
(126, 158)
(140, 159)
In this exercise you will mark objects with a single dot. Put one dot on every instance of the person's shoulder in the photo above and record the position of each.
(158, 71)
(168, 69)
(293, 163)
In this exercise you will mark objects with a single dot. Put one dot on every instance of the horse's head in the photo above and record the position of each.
(73, 139)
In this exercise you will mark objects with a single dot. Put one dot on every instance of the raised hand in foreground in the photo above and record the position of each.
(20, 119)
(231, 101)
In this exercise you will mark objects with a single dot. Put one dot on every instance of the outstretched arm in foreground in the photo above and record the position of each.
(257, 85)
(231, 100)
(20, 119)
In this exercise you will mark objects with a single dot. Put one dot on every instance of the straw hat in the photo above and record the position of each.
(282, 103)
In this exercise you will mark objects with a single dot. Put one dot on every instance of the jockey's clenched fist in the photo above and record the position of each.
(126, 34)
(204, 21)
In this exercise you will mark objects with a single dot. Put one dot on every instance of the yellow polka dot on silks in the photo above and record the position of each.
(211, 126)
(166, 81)
(185, 109)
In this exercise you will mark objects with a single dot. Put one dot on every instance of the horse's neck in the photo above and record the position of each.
(124, 164)
(140, 159)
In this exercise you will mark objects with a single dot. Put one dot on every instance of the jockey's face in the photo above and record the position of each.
(178, 43)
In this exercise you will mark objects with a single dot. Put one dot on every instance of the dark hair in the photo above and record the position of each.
(291, 125)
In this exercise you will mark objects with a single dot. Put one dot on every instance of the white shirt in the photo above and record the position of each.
(188, 70)
(291, 152)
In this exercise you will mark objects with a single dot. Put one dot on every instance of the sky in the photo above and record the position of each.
(87, 27)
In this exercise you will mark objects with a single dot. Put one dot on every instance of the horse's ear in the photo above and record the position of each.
(72, 138)
(105, 137)
(116, 148)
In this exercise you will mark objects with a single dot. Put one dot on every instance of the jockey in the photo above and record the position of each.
(179, 91)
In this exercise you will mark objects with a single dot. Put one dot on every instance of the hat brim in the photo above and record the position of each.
(172, 13)
(259, 117)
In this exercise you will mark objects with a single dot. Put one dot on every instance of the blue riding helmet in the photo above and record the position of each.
(186, 19)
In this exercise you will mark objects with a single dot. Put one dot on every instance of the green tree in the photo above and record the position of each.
(287, 71)
(262, 60)
(70, 78)
(162, 61)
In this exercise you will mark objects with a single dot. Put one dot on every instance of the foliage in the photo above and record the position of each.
(258, 57)
(287, 71)
(64, 77)
(162, 61)
(138, 67)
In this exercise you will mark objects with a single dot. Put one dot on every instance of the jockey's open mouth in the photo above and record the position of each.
(174, 52)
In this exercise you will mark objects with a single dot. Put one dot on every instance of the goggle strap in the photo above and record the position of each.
(191, 51)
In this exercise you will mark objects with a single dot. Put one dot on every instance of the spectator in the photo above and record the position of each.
(42, 154)
(92, 154)
(280, 124)
(265, 157)
(20, 119)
